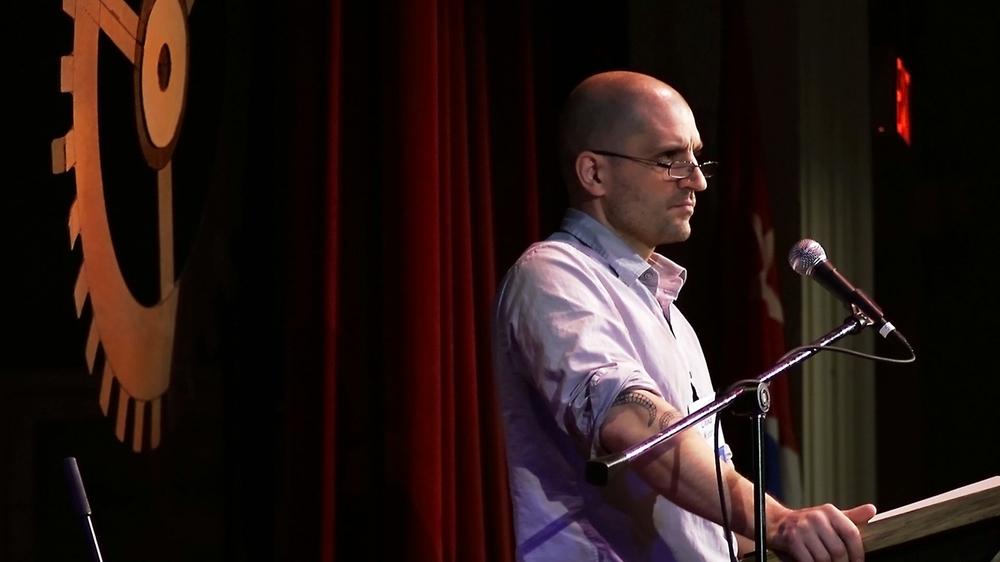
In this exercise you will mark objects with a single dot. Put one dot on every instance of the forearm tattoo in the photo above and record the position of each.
(637, 398)
(669, 418)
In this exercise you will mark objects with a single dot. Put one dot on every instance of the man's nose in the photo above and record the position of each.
(696, 181)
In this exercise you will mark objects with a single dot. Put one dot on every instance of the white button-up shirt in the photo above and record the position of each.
(579, 318)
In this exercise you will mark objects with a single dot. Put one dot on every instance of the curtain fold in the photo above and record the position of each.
(331, 254)
(414, 466)
(416, 373)
(492, 488)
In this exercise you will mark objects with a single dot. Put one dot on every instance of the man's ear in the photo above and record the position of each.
(588, 173)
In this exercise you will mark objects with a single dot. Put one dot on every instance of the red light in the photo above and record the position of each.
(902, 101)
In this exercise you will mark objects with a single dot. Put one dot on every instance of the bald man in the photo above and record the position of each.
(592, 355)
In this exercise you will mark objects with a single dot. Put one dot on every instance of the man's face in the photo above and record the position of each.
(643, 207)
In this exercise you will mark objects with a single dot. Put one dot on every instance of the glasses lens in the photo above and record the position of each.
(681, 170)
(709, 169)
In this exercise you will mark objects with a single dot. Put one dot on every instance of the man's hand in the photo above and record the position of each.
(818, 533)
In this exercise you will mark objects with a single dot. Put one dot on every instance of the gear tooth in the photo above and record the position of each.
(137, 419)
(63, 153)
(122, 420)
(154, 424)
(74, 226)
(66, 74)
(80, 290)
(106, 379)
(93, 340)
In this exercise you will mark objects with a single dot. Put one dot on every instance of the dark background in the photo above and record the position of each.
(934, 206)
(225, 483)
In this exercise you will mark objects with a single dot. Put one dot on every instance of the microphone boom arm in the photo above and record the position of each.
(599, 470)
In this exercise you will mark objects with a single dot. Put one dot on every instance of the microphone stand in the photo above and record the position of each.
(753, 398)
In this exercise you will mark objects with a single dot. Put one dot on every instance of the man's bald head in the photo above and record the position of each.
(603, 111)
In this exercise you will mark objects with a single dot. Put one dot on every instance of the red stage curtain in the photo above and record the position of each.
(331, 253)
(413, 458)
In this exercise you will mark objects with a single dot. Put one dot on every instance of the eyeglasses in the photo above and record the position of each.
(672, 170)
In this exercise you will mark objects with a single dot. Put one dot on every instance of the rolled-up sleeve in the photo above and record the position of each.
(566, 335)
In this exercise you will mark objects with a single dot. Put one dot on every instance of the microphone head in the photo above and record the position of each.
(77, 492)
(805, 255)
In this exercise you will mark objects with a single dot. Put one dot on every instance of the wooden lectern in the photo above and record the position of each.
(960, 525)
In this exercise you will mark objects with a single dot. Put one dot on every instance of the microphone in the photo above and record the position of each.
(78, 496)
(808, 259)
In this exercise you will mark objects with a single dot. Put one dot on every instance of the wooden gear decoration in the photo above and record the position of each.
(137, 340)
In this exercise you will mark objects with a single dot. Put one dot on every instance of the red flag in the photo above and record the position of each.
(754, 333)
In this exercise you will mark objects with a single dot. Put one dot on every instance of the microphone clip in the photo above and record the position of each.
(863, 319)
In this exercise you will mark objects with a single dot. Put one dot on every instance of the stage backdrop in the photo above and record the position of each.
(348, 183)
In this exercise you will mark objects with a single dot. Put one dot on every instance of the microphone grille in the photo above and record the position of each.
(804, 256)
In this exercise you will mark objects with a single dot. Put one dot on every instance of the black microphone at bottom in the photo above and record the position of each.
(81, 505)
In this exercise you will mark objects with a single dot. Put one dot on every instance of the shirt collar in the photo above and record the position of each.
(670, 276)
(623, 260)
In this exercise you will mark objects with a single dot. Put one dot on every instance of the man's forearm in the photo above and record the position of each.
(682, 470)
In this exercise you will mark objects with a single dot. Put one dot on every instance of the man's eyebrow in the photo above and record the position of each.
(672, 151)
